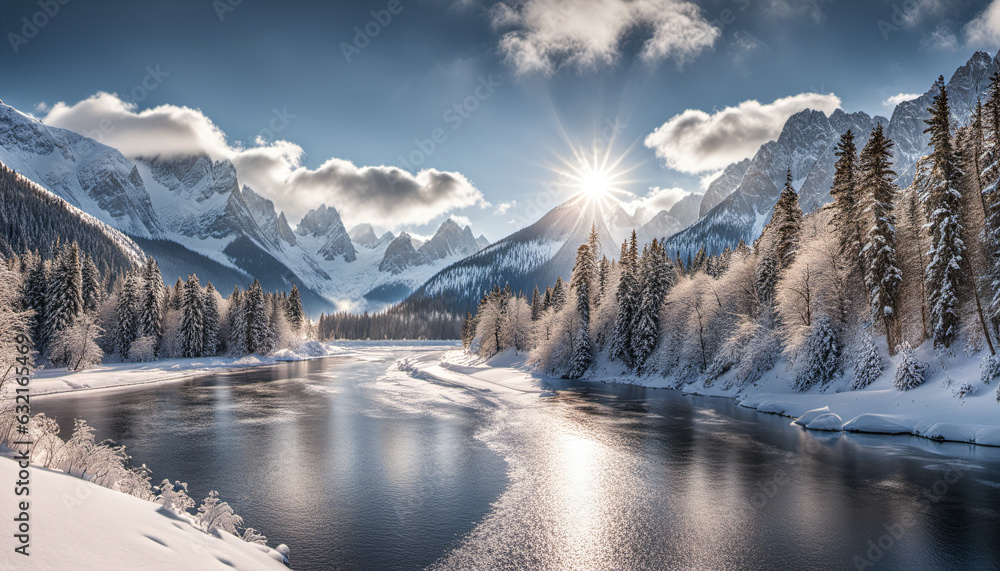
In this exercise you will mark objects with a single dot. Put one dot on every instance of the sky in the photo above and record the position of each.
(402, 113)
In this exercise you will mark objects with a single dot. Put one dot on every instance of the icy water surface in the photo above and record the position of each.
(356, 465)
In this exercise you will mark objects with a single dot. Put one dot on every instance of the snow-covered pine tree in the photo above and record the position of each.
(294, 313)
(766, 281)
(176, 300)
(210, 342)
(868, 364)
(657, 277)
(582, 277)
(149, 302)
(594, 243)
(787, 222)
(603, 275)
(627, 298)
(536, 305)
(237, 342)
(275, 323)
(910, 373)
(879, 248)
(193, 319)
(944, 272)
(559, 294)
(90, 284)
(822, 355)
(174, 497)
(75, 346)
(990, 163)
(257, 318)
(125, 315)
(65, 292)
(847, 207)
(35, 296)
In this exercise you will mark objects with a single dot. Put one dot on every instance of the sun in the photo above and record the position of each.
(595, 184)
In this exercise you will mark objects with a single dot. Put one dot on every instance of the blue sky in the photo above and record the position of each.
(230, 70)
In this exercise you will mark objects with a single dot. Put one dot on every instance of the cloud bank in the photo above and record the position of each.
(386, 195)
(542, 36)
(696, 142)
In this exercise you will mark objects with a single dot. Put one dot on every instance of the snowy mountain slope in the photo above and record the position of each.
(31, 217)
(92, 177)
(806, 145)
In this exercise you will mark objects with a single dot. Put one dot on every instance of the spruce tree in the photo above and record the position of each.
(583, 271)
(90, 284)
(237, 323)
(192, 319)
(847, 207)
(622, 343)
(536, 305)
(787, 223)
(990, 163)
(657, 277)
(64, 293)
(255, 312)
(294, 313)
(210, 342)
(36, 294)
(559, 294)
(944, 272)
(125, 315)
(879, 248)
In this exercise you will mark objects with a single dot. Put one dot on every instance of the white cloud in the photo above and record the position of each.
(584, 34)
(696, 142)
(984, 29)
(382, 194)
(939, 40)
(656, 199)
(893, 101)
(503, 207)
(462, 221)
(41, 107)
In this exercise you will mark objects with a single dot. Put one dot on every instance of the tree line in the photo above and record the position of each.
(877, 272)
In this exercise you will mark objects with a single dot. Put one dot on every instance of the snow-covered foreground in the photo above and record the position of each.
(60, 380)
(931, 410)
(75, 524)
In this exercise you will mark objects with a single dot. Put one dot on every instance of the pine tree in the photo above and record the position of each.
(627, 296)
(547, 302)
(657, 277)
(536, 305)
(990, 163)
(125, 315)
(177, 295)
(944, 272)
(847, 206)
(295, 314)
(210, 342)
(149, 302)
(822, 355)
(193, 320)
(787, 222)
(868, 365)
(910, 373)
(559, 294)
(35, 298)
(580, 281)
(255, 312)
(766, 281)
(64, 293)
(879, 248)
(90, 284)
(237, 323)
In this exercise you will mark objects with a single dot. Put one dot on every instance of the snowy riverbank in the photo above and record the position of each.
(76, 524)
(932, 410)
(113, 375)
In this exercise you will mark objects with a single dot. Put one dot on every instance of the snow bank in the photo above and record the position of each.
(111, 375)
(879, 423)
(828, 421)
(75, 524)
(810, 416)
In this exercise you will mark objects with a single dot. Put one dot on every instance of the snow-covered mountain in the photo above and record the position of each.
(806, 145)
(192, 214)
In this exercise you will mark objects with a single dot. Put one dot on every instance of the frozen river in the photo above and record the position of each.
(356, 465)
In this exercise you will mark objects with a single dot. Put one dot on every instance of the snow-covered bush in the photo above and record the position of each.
(251, 535)
(964, 390)
(75, 347)
(821, 355)
(868, 364)
(216, 514)
(143, 350)
(910, 373)
(174, 497)
(990, 369)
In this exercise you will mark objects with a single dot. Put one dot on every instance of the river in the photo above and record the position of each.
(357, 465)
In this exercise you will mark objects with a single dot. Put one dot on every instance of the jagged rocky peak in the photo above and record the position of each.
(273, 227)
(399, 255)
(325, 223)
(723, 186)
(386, 238)
(482, 241)
(284, 230)
(364, 235)
(198, 175)
(450, 240)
